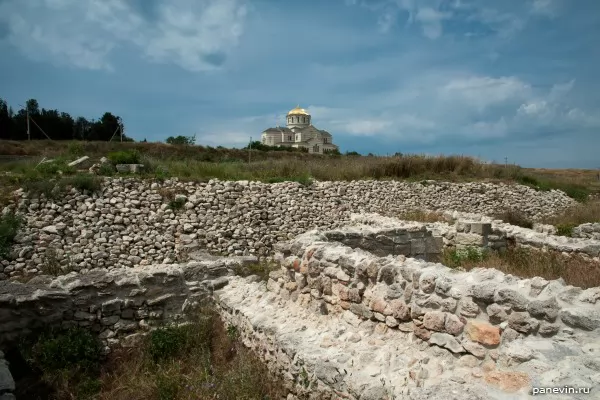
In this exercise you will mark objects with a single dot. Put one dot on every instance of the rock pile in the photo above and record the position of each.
(133, 222)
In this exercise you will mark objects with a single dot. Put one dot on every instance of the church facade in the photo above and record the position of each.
(299, 133)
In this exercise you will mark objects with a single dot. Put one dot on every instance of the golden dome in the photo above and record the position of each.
(298, 111)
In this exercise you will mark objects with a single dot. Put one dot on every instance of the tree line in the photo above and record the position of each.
(56, 125)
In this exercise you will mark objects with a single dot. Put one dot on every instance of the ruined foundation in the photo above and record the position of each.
(357, 312)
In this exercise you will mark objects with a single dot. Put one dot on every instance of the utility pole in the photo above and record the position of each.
(249, 149)
(27, 112)
(28, 131)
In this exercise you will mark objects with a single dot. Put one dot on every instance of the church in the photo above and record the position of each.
(299, 133)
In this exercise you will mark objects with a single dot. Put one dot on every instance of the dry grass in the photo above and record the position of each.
(577, 215)
(423, 216)
(515, 217)
(204, 360)
(528, 263)
(203, 163)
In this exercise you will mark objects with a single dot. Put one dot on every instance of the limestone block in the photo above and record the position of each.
(469, 239)
(481, 228)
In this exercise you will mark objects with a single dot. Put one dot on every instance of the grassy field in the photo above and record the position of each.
(203, 162)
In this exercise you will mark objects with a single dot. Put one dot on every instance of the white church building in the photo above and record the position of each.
(299, 133)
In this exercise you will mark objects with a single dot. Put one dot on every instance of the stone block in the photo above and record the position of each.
(481, 228)
(434, 245)
(417, 246)
(468, 239)
(130, 168)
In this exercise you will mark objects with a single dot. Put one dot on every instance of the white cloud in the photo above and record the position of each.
(195, 35)
(548, 8)
(481, 92)
(431, 21)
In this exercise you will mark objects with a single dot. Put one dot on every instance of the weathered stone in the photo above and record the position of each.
(587, 319)
(421, 332)
(434, 320)
(512, 298)
(517, 352)
(474, 348)
(484, 292)
(447, 341)
(453, 325)
(468, 307)
(522, 322)
(507, 380)
(496, 314)
(400, 310)
(427, 282)
(544, 309)
(548, 329)
(483, 333)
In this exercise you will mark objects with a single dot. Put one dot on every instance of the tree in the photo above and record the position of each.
(57, 125)
(181, 140)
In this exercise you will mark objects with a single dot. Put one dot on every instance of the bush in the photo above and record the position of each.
(124, 157)
(457, 257)
(74, 348)
(176, 204)
(9, 226)
(53, 168)
(37, 188)
(83, 183)
(107, 170)
(168, 342)
(75, 148)
(565, 230)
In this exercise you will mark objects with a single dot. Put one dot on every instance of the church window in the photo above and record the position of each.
(289, 138)
(316, 148)
(324, 140)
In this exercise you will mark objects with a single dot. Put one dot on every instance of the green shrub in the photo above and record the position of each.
(9, 226)
(456, 257)
(565, 230)
(167, 387)
(107, 170)
(37, 188)
(75, 148)
(167, 342)
(83, 183)
(53, 168)
(176, 204)
(60, 350)
(124, 157)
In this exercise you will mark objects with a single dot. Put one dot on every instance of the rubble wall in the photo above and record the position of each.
(133, 222)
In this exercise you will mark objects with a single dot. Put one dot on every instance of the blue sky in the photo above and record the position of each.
(488, 78)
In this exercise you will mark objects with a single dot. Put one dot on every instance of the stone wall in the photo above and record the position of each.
(113, 303)
(120, 305)
(589, 231)
(130, 222)
(472, 230)
(483, 313)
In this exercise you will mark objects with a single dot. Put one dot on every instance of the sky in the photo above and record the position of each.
(513, 80)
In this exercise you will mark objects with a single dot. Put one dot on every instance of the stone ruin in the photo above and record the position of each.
(360, 311)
